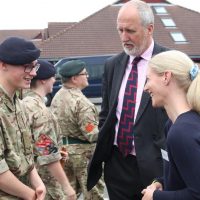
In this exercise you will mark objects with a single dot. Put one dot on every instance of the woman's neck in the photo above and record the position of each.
(176, 107)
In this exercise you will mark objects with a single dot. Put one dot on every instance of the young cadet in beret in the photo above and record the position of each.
(46, 134)
(18, 176)
(78, 119)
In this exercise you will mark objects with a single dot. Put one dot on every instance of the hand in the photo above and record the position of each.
(148, 192)
(70, 193)
(40, 192)
(30, 196)
(156, 186)
(65, 155)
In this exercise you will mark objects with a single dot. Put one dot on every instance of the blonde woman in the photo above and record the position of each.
(173, 81)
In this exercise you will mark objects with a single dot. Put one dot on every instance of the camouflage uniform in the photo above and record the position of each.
(16, 153)
(45, 133)
(78, 119)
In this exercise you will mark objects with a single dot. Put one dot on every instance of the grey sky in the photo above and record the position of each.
(35, 14)
(28, 14)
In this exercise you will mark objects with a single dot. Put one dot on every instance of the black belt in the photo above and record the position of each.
(77, 141)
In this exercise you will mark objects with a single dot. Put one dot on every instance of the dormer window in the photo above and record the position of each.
(160, 10)
(168, 22)
(178, 37)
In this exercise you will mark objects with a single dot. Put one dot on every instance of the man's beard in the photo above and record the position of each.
(136, 50)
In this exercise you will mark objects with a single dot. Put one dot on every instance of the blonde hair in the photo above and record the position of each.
(180, 65)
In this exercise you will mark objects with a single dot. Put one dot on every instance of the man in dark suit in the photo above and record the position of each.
(126, 174)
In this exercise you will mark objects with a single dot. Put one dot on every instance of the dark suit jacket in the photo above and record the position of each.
(148, 127)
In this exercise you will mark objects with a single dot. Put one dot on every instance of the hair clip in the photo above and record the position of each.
(194, 71)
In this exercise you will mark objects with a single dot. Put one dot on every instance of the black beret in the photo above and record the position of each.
(46, 70)
(71, 68)
(18, 51)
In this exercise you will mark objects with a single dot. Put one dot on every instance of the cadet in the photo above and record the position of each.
(78, 119)
(18, 65)
(46, 134)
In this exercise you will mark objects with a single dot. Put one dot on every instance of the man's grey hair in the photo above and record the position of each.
(145, 12)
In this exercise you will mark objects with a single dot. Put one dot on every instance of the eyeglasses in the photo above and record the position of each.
(29, 67)
(84, 74)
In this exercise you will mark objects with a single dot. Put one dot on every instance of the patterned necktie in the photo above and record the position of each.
(125, 131)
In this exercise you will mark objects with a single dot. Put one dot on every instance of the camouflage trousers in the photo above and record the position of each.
(54, 189)
(76, 171)
(55, 193)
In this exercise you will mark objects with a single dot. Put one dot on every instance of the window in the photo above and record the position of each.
(178, 37)
(168, 22)
(95, 71)
(160, 10)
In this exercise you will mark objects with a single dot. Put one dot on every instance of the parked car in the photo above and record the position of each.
(94, 67)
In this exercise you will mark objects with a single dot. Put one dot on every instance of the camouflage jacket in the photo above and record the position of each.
(16, 152)
(77, 116)
(44, 128)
